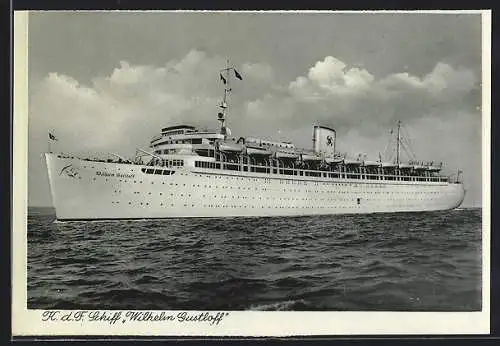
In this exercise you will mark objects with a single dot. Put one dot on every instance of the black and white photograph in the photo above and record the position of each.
(247, 162)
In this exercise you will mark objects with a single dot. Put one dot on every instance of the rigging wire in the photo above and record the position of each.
(405, 142)
(409, 140)
(403, 145)
(389, 146)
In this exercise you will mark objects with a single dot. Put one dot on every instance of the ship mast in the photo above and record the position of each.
(225, 77)
(398, 142)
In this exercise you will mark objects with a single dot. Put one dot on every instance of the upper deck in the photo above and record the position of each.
(184, 134)
(210, 149)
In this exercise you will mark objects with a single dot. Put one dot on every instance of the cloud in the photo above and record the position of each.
(444, 80)
(330, 77)
(333, 94)
(121, 111)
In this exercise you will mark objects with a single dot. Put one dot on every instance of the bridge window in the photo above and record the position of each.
(175, 162)
(205, 164)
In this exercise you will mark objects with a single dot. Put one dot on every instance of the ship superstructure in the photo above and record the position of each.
(192, 172)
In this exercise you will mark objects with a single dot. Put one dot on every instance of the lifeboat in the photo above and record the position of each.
(389, 165)
(286, 155)
(433, 168)
(352, 162)
(371, 164)
(230, 147)
(333, 160)
(404, 166)
(258, 151)
(310, 157)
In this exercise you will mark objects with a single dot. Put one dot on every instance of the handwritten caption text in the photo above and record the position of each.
(112, 317)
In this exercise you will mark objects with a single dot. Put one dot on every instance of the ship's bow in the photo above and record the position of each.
(68, 187)
(57, 184)
(49, 160)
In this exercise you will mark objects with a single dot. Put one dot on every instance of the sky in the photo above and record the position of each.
(109, 81)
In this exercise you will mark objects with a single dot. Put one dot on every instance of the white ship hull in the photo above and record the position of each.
(89, 190)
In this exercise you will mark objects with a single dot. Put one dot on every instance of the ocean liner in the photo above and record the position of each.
(191, 172)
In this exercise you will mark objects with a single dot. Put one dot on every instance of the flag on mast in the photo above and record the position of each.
(52, 137)
(237, 74)
(223, 79)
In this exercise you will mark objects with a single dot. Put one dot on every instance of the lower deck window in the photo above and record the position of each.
(157, 171)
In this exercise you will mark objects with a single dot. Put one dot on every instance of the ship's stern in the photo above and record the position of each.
(460, 194)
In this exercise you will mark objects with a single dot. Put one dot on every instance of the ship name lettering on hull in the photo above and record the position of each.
(117, 175)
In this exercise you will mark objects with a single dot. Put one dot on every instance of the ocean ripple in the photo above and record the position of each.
(401, 262)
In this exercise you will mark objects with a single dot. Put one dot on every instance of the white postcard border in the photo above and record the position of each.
(237, 323)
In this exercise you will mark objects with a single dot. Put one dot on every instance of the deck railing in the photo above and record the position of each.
(338, 174)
